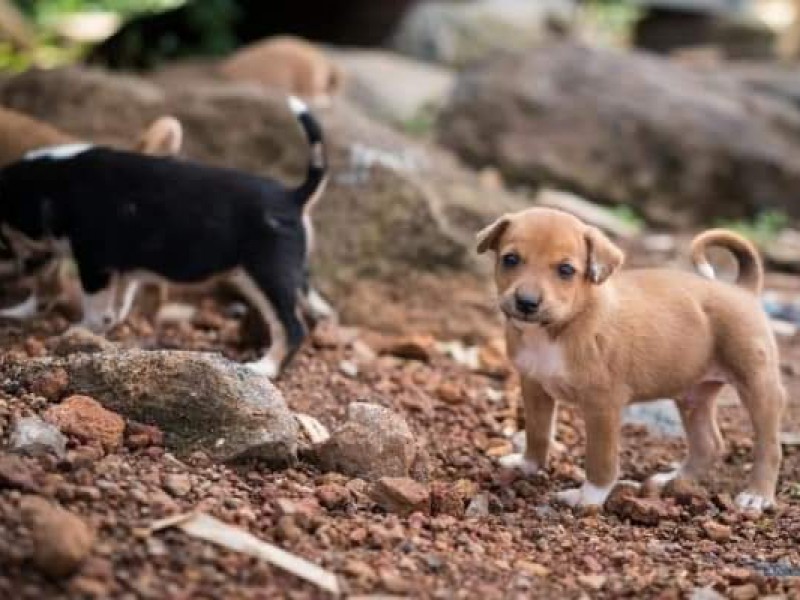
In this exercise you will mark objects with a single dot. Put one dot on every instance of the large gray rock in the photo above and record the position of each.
(392, 88)
(680, 146)
(456, 33)
(200, 401)
(396, 208)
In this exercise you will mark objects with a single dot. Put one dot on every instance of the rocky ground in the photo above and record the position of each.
(464, 528)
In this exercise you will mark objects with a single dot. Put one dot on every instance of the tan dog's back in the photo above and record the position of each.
(20, 134)
(287, 63)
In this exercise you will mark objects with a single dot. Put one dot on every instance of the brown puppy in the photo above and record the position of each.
(287, 63)
(19, 134)
(580, 330)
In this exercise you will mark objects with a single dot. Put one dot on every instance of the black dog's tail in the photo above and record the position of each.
(318, 167)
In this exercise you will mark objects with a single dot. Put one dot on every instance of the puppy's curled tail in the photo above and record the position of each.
(318, 167)
(751, 270)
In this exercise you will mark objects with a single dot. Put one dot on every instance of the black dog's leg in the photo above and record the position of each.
(276, 302)
(98, 290)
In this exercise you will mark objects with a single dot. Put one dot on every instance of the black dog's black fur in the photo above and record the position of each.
(124, 212)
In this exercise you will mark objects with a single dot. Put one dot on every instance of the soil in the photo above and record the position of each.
(513, 541)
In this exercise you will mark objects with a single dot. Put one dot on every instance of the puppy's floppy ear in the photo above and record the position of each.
(604, 256)
(488, 237)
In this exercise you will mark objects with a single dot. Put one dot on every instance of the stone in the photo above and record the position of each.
(717, 532)
(333, 496)
(311, 434)
(50, 384)
(706, 593)
(401, 495)
(784, 251)
(593, 582)
(747, 591)
(449, 499)
(661, 417)
(61, 540)
(550, 117)
(373, 442)
(478, 506)
(532, 568)
(33, 436)
(178, 485)
(451, 393)
(86, 419)
(643, 511)
(457, 33)
(201, 402)
(393, 88)
(79, 340)
(412, 347)
(17, 474)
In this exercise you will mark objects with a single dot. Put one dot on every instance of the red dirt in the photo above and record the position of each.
(525, 546)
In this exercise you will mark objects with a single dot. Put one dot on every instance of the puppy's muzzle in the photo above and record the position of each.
(526, 304)
(522, 306)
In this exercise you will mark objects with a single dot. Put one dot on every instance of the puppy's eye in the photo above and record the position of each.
(511, 260)
(566, 271)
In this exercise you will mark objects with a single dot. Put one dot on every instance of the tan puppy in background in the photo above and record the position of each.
(580, 330)
(19, 134)
(287, 63)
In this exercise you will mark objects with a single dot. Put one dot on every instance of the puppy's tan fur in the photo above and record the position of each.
(287, 63)
(604, 337)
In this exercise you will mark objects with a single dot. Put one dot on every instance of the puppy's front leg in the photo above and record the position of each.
(540, 417)
(603, 422)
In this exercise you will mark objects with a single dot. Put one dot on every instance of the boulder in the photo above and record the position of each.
(679, 146)
(395, 89)
(456, 33)
(396, 209)
(202, 402)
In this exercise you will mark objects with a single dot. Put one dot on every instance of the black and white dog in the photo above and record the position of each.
(126, 217)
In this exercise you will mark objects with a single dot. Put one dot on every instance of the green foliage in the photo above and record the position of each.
(611, 20)
(43, 11)
(761, 230)
(421, 124)
(627, 214)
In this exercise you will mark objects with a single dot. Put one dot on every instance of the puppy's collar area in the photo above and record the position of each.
(59, 151)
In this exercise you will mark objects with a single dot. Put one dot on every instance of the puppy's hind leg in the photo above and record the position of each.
(698, 410)
(764, 398)
(276, 303)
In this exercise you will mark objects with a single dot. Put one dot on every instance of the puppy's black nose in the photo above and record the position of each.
(527, 304)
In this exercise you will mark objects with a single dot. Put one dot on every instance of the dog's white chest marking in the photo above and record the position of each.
(539, 357)
(58, 152)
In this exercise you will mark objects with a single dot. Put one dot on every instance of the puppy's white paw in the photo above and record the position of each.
(24, 310)
(520, 463)
(661, 479)
(266, 367)
(586, 495)
(754, 502)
